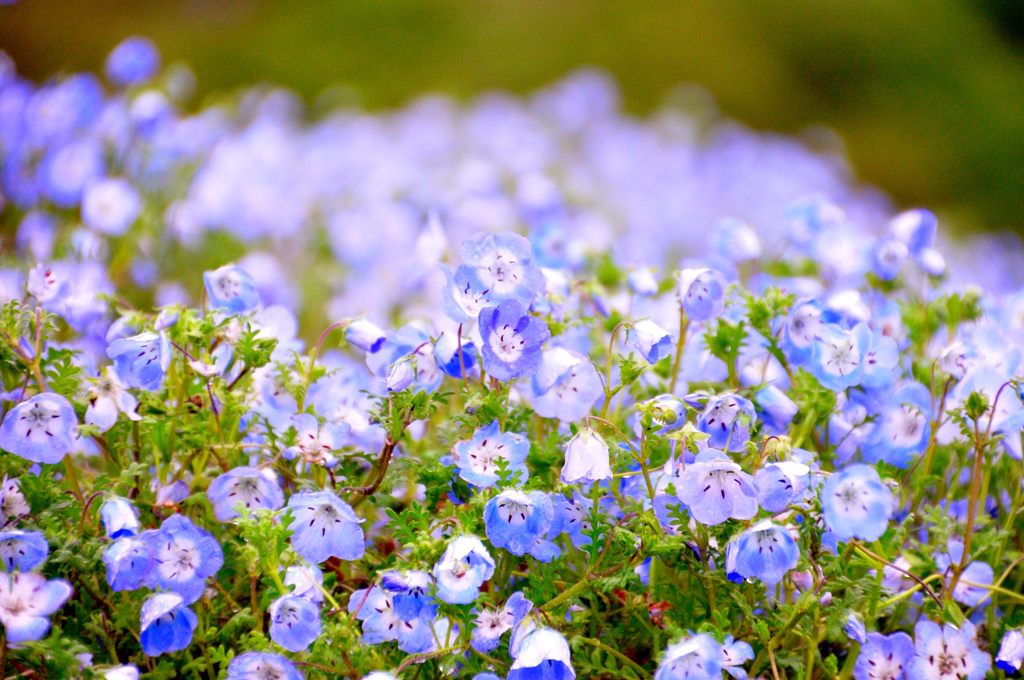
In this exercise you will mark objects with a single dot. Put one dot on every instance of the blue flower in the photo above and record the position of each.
(503, 263)
(715, 489)
(884, 656)
(727, 419)
(166, 624)
(465, 295)
(376, 609)
(702, 293)
(1011, 652)
(134, 61)
(735, 241)
(765, 552)
(491, 624)
(26, 599)
(572, 518)
(519, 521)
(801, 329)
(887, 258)
(477, 458)
(566, 386)
(246, 487)
(119, 517)
(649, 339)
(22, 550)
(776, 409)
(856, 504)
(780, 484)
(307, 581)
(141, 360)
(365, 335)
(542, 654)
(110, 205)
(972, 586)
(902, 429)
(697, 657)
(462, 569)
(938, 650)
(232, 289)
(512, 340)
(128, 562)
(107, 398)
(294, 622)
(735, 653)
(446, 354)
(12, 501)
(881, 358)
(410, 593)
(838, 356)
(325, 526)
(586, 458)
(262, 665)
(854, 628)
(916, 229)
(42, 429)
(185, 556)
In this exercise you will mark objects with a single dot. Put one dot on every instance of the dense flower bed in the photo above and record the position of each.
(601, 397)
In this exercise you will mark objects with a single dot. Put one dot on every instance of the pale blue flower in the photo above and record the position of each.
(325, 526)
(166, 624)
(294, 622)
(26, 600)
(856, 504)
(22, 550)
(262, 665)
(120, 518)
(232, 289)
(462, 569)
(42, 429)
(477, 458)
(939, 649)
(884, 656)
(715, 489)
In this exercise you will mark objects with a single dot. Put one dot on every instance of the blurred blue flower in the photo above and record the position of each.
(246, 487)
(22, 550)
(166, 624)
(26, 600)
(856, 504)
(262, 665)
(884, 656)
(120, 518)
(231, 289)
(462, 569)
(294, 622)
(134, 61)
(128, 561)
(42, 429)
(141, 360)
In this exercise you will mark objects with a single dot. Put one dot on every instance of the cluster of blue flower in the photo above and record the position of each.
(540, 454)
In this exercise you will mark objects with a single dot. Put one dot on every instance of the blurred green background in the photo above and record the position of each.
(928, 95)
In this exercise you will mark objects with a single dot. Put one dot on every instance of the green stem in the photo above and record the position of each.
(643, 672)
(684, 324)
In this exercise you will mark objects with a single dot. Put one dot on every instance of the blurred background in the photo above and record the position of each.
(928, 96)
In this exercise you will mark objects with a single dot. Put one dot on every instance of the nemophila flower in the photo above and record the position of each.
(375, 608)
(231, 289)
(503, 263)
(1011, 652)
(572, 518)
(702, 293)
(325, 526)
(141, 360)
(134, 61)
(262, 666)
(916, 229)
(854, 628)
(735, 653)
(107, 398)
(120, 517)
(566, 386)
(887, 258)
(780, 484)
(715, 489)
(365, 335)
(884, 657)
(477, 458)
(121, 673)
(246, 487)
(586, 458)
(316, 442)
(166, 624)
(736, 241)
(903, 427)
(26, 599)
(542, 654)
(776, 409)
(294, 622)
(697, 657)
(410, 591)
(801, 329)
(128, 561)
(447, 351)
(465, 295)
(512, 340)
(305, 580)
(185, 556)
(837, 356)
(946, 653)
(22, 550)
(519, 521)
(765, 552)
(972, 588)
(110, 205)
(856, 504)
(881, 358)
(42, 429)
(642, 281)
(649, 339)
(491, 624)
(726, 419)
(401, 374)
(462, 569)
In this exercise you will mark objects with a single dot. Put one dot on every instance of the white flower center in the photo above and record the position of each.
(507, 343)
